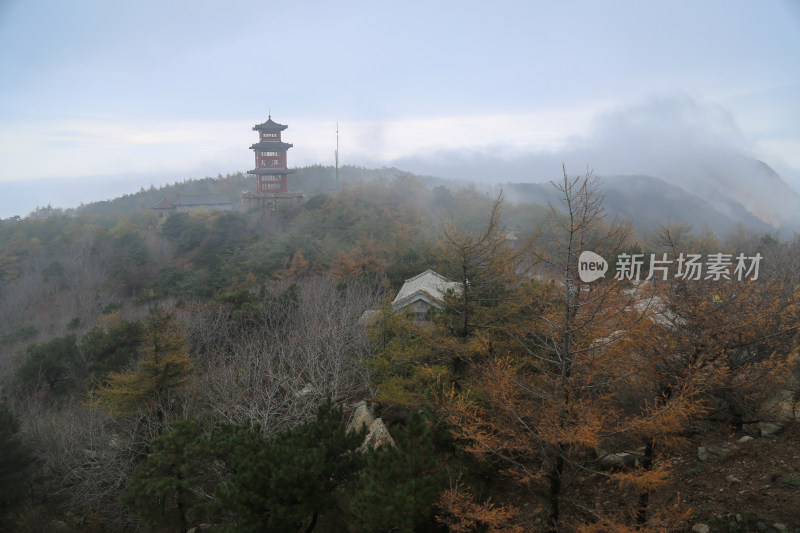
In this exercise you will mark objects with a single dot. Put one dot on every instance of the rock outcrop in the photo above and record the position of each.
(377, 433)
(378, 437)
(362, 418)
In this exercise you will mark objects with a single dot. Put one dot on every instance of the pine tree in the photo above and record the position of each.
(485, 264)
(400, 486)
(14, 460)
(50, 362)
(167, 488)
(283, 484)
(111, 349)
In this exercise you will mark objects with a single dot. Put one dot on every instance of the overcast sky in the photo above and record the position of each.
(170, 90)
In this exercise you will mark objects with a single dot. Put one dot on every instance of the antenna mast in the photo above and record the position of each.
(337, 156)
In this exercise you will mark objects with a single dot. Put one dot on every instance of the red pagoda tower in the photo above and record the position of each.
(271, 170)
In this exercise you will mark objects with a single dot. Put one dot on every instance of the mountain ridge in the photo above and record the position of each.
(763, 202)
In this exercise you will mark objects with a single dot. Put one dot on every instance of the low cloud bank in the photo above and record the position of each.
(695, 146)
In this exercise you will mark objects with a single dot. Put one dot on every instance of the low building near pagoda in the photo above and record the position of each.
(189, 203)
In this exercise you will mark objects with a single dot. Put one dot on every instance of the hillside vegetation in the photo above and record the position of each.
(201, 371)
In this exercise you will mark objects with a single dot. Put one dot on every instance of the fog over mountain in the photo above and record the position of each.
(670, 156)
(693, 146)
(648, 202)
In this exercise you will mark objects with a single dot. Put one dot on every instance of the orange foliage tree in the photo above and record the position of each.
(730, 342)
(739, 334)
(544, 406)
(365, 255)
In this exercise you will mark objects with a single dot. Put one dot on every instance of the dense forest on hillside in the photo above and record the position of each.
(226, 370)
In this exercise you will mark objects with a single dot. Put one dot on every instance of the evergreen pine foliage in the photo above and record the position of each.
(110, 350)
(165, 489)
(284, 483)
(400, 486)
(14, 461)
(49, 363)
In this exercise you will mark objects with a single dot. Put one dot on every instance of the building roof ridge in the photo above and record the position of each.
(431, 271)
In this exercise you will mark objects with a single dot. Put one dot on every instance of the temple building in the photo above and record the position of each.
(422, 292)
(187, 203)
(272, 188)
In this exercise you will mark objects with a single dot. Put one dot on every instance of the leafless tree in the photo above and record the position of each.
(49, 300)
(275, 367)
(84, 456)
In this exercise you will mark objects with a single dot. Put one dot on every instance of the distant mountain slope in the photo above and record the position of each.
(743, 191)
(760, 190)
(726, 177)
(310, 180)
(647, 202)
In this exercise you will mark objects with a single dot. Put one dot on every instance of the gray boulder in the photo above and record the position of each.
(768, 429)
(617, 460)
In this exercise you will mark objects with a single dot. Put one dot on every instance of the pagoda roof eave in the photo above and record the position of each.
(269, 125)
(274, 145)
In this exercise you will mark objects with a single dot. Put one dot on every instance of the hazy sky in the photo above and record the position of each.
(172, 89)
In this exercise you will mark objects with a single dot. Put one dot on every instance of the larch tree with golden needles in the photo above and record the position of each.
(543, 407)
(733, 336)
(411, 356)
(486, 265)
(164, 366)
(737, 330)
(297, 266)
(408, 358)
(718, 344)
